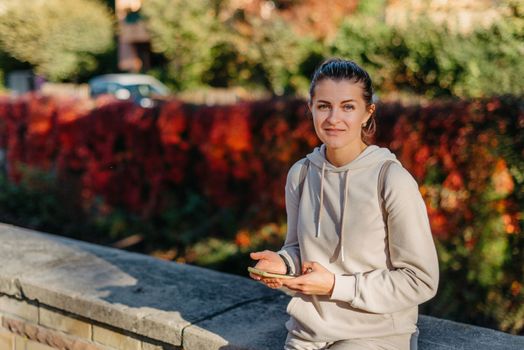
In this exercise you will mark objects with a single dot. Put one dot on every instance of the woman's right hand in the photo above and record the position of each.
(271, 262)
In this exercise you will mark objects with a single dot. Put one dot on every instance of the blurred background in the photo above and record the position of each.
(167, 126)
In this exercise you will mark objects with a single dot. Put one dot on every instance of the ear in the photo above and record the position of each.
(371, 109)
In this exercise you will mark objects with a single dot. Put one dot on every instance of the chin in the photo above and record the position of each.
(334, 143)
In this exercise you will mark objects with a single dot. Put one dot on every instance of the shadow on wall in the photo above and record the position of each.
(165, 300)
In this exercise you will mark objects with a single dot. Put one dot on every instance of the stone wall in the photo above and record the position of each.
(29, 325)
(58, 293)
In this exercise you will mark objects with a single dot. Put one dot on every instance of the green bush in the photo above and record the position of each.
(58, 38)
(185, 32)
(204, 46)
(427, 58)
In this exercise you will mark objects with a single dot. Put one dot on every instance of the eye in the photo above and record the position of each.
(348, 107)
(323, 106)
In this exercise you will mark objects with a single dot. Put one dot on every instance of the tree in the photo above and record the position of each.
(59, 38)
(209, 42)
(272, 45)
(185, 32)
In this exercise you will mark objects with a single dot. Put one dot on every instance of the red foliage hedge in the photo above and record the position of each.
(238, 155)
(233, 155)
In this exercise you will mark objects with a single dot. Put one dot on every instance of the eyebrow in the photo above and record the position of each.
(323, 101)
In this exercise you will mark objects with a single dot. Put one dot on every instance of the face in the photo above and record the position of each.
(339, 110)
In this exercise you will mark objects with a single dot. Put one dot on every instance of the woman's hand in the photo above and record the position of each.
(270, 262)
(315, 280)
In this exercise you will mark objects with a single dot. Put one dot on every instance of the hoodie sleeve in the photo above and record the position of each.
(291, 250)
(413, 277)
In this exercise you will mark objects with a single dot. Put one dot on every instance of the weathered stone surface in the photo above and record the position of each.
(438, 334)
(171, 303)
(257, 325)
(260, 326)
(130, 291)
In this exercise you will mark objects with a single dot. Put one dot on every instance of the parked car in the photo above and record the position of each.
(142, 89)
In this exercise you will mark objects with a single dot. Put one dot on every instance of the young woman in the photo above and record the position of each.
(361, 244)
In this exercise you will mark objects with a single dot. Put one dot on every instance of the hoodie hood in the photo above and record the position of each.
(370, 156)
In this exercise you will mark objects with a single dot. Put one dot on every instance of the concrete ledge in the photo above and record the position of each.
(161, 305)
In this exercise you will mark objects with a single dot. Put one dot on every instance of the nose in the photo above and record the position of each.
(334, 116)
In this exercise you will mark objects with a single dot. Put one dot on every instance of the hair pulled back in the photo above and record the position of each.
(340, 69)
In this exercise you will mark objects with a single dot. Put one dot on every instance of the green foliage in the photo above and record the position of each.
(185, 32)
(367, 42)
(371, 7)
(205, 45)
(34, 202)
(498, 68)
(429, 59)
(57, 37)
(278, 51)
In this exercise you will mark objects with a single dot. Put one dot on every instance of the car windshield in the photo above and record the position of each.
(144, 90)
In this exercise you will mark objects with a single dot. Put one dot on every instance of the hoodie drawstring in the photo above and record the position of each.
(321, 197)
(343, 215)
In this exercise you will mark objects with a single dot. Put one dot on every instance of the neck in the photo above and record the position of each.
(342, 156)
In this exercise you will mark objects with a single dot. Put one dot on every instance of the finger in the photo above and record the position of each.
(307, 267)
(255, 255)
(255, 277)
(259, 255)
(272, 282)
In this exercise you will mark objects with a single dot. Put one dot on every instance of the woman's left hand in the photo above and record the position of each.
(315, 280)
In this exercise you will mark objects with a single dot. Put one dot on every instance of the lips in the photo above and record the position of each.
(333, 131)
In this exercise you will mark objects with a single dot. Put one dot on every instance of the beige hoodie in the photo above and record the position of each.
(380, 277)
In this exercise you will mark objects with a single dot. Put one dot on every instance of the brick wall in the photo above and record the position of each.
(28, 325)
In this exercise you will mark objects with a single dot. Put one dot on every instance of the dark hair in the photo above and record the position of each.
(341, 69)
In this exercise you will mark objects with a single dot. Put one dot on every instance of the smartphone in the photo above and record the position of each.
(256, 271)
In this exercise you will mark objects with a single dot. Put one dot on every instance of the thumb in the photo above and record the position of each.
(257, 255)
(310, 266)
